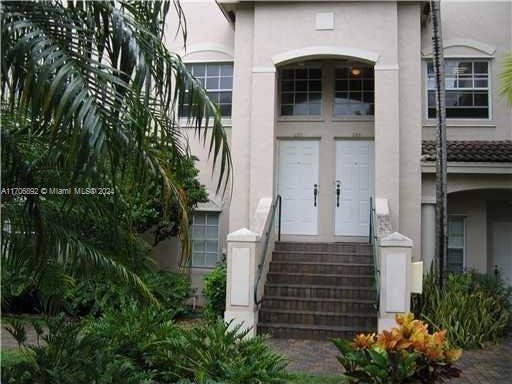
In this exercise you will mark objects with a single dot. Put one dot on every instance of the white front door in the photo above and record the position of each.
(502, 249)
(298, 176)
(354, 180)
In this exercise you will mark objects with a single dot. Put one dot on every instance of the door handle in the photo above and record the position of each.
(315, 193)
(338, 192)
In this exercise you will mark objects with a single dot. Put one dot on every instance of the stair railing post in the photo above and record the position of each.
(242, 265)
(395, 252)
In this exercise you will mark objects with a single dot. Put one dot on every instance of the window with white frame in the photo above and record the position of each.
(205, 239)
(217, 79)
(456, 242)
(354, 91)
(301, 91)
(467, 89)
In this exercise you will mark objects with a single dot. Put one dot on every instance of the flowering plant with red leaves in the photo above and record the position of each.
(408, 353)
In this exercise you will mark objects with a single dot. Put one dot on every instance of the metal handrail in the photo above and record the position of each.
(372, 240)
(275, 204)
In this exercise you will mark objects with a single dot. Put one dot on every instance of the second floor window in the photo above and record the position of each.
(467, 89)
(354, 92)
(217, 79)
(301, 91)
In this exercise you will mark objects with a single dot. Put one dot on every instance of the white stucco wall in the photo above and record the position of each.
(469, 196)
(484, 22)
(395, 35)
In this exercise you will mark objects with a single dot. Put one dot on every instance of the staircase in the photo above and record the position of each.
(319, 291)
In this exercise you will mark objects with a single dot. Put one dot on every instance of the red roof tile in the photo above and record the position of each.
(471, 151)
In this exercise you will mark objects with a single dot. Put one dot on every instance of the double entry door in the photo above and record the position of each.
(299, 185)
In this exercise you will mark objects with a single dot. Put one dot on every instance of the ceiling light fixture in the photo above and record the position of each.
(356, 71)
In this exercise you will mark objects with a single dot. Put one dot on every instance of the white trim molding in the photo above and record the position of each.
(484, 49)
(208, 47)
(263, 69)
(323, 51)
(386, 67)
(470, 167)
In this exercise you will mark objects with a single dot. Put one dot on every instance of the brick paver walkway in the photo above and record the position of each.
(488, 366)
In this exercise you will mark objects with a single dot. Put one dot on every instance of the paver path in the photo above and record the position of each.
(10, 343)
(489, 366)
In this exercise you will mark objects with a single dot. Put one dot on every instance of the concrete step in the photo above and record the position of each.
(317, 304)
(313, 332)
(322, 257)
(352, 247)
(355, 320)
(320, 279)
(320, 291)
(316, 267)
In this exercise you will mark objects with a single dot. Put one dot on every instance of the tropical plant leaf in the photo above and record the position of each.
(506, 78)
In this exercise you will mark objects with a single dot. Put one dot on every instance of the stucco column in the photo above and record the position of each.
(239, 214)
(428, 236)
(411, 98)
(387, 138)
(262, 135)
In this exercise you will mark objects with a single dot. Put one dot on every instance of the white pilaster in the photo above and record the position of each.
(239, 214)
(387, 138)
(262, 137)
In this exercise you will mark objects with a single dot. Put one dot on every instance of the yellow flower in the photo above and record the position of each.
(393, 340)
(363, 341)
(404, 318)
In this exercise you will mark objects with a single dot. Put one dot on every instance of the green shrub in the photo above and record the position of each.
(95, 296)
(209, 353)
(215, 291)
(143, 345)
(16, 366)
(220, 352)
(72, 356)
(473, 308)
(130, 332)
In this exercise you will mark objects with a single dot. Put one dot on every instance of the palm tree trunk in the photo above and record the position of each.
(441, 246)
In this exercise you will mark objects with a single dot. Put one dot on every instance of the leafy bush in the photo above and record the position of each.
(16, 364)
(220, 352)
(95, 296)
(130, 332)
(72, 356)
(474, 308)
(144, 345)
(215, 291)
(405, 354)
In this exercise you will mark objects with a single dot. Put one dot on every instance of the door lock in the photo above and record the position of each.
(338, 192)
(315, 193)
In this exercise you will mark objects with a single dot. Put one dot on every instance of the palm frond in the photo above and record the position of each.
(506, 78)
(90, 94)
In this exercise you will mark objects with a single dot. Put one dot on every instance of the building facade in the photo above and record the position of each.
(330, 105)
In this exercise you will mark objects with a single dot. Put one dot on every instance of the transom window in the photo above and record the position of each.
(205, 239)
(456, 241)
(301, 92)
(354, 92)
(217, 79)
(467, 89)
